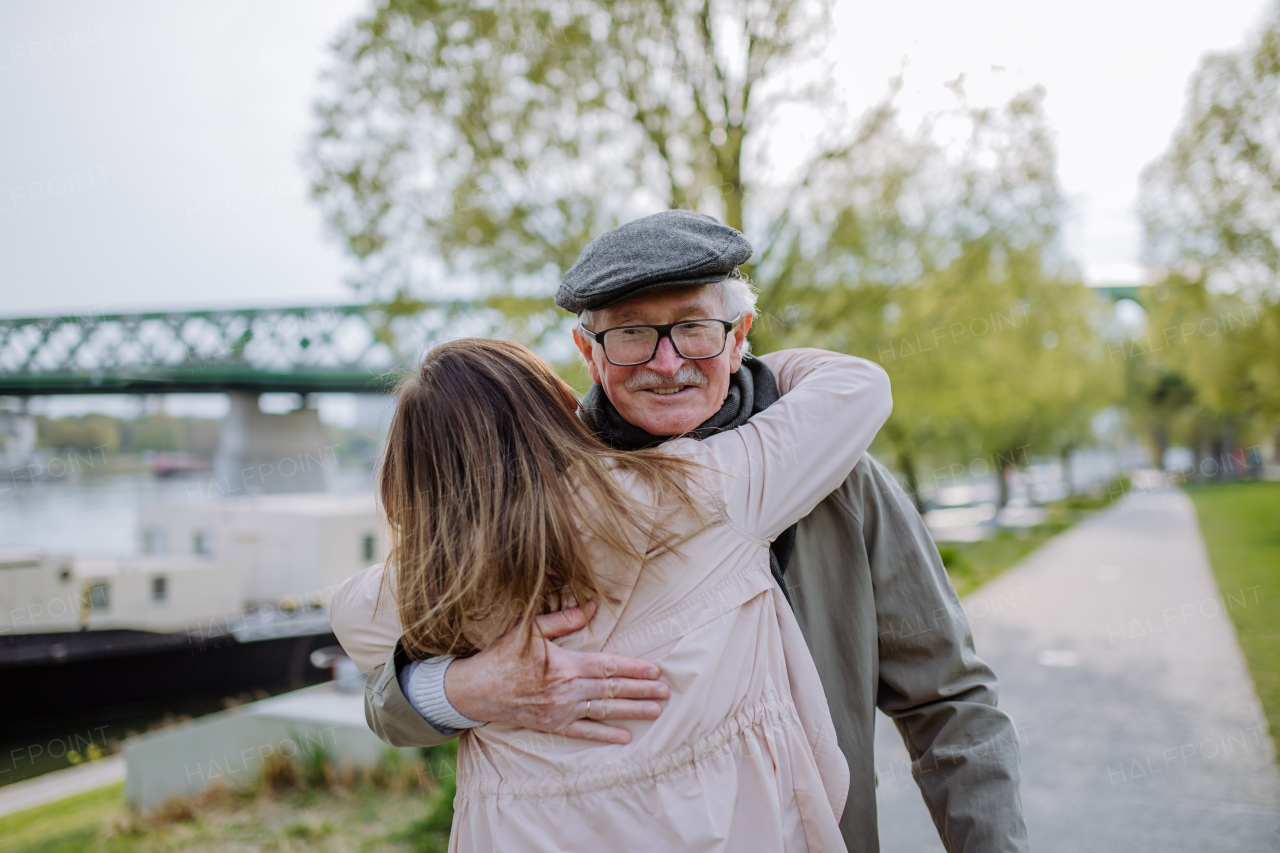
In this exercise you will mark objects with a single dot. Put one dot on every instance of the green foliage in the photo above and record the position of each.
(1241, 527)
(1209, 203)
(164, 432)
(87, 432)
(950, 279)
(969, 565)
(1206, 373)
(402, 803)
(429, 832)
(501, 140)
(1211, 209)
(1074, 506)
(307, 831)
(317, 768)
(147, 432)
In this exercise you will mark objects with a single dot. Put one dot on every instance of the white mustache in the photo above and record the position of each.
(688, 374)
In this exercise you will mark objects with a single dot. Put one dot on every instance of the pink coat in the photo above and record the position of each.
(744, 755)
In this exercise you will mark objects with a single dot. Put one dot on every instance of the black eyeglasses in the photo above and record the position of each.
(627, 346)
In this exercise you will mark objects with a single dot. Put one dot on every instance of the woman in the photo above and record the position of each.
(502, 505)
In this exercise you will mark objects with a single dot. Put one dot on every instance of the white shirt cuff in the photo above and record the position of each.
(422, 683)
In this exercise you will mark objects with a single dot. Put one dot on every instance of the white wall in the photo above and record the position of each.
(41, 594)
(38, 593)
(291, 549)
(196, 593)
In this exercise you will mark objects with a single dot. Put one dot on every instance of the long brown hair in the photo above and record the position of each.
(491, 485)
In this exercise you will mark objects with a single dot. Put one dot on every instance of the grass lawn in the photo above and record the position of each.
(1241, 527)
(67, 825)
(404, 809)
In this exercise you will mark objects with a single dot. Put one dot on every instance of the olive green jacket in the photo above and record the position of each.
(886, 630)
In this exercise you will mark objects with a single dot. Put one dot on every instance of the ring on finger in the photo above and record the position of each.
(588, 709)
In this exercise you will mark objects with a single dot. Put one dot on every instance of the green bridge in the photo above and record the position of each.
(351, 348)
(334, 348)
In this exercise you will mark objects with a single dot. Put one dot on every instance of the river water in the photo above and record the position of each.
(96, 515)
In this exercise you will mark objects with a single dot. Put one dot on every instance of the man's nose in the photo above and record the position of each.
(666, 360)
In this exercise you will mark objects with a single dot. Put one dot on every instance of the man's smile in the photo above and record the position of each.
(688, 378)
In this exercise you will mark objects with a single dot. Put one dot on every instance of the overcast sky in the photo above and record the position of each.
(149, 151)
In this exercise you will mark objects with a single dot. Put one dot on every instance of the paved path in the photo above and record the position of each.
(1119, 664)
(60, 784)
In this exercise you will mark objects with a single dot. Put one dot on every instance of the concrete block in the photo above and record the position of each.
(231, 746)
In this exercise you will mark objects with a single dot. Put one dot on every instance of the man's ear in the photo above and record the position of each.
(586, 346)
(740, 343)
(570, 399)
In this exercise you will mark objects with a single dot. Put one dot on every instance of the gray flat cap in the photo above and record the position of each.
(675, 248)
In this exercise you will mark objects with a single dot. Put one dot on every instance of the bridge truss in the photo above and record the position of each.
(345, 348)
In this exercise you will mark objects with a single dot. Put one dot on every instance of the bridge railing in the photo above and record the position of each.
(318, 348)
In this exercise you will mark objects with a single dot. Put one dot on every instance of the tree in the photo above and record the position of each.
(1167, 397)
(949, 273)
(1211, 370)
(499, 140)
(84, 432)
(1211, 203)
(502, 138)
(1211, 210)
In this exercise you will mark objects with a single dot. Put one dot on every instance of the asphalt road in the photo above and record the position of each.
(1139, 726)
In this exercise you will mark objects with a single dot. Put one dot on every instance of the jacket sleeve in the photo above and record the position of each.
(365, 620)
(940, 694)
(786, 459)
(389, 713)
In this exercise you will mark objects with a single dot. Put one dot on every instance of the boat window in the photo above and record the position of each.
(204, 542)
(155, 540)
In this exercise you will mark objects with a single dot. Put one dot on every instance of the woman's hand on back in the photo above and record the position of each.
(507, 684)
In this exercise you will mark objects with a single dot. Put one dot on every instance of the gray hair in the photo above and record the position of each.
(736, 294)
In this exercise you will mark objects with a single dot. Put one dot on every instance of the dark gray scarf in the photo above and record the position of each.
(752, 389)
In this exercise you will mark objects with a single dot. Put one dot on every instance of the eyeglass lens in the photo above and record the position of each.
(638, 344)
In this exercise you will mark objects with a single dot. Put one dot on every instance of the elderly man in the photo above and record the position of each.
(663, 325)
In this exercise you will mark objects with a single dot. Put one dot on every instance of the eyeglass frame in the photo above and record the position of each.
(664, 331)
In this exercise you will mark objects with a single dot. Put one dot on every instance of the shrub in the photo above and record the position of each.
(279, 774)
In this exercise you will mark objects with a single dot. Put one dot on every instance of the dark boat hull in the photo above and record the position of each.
(51, 678)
